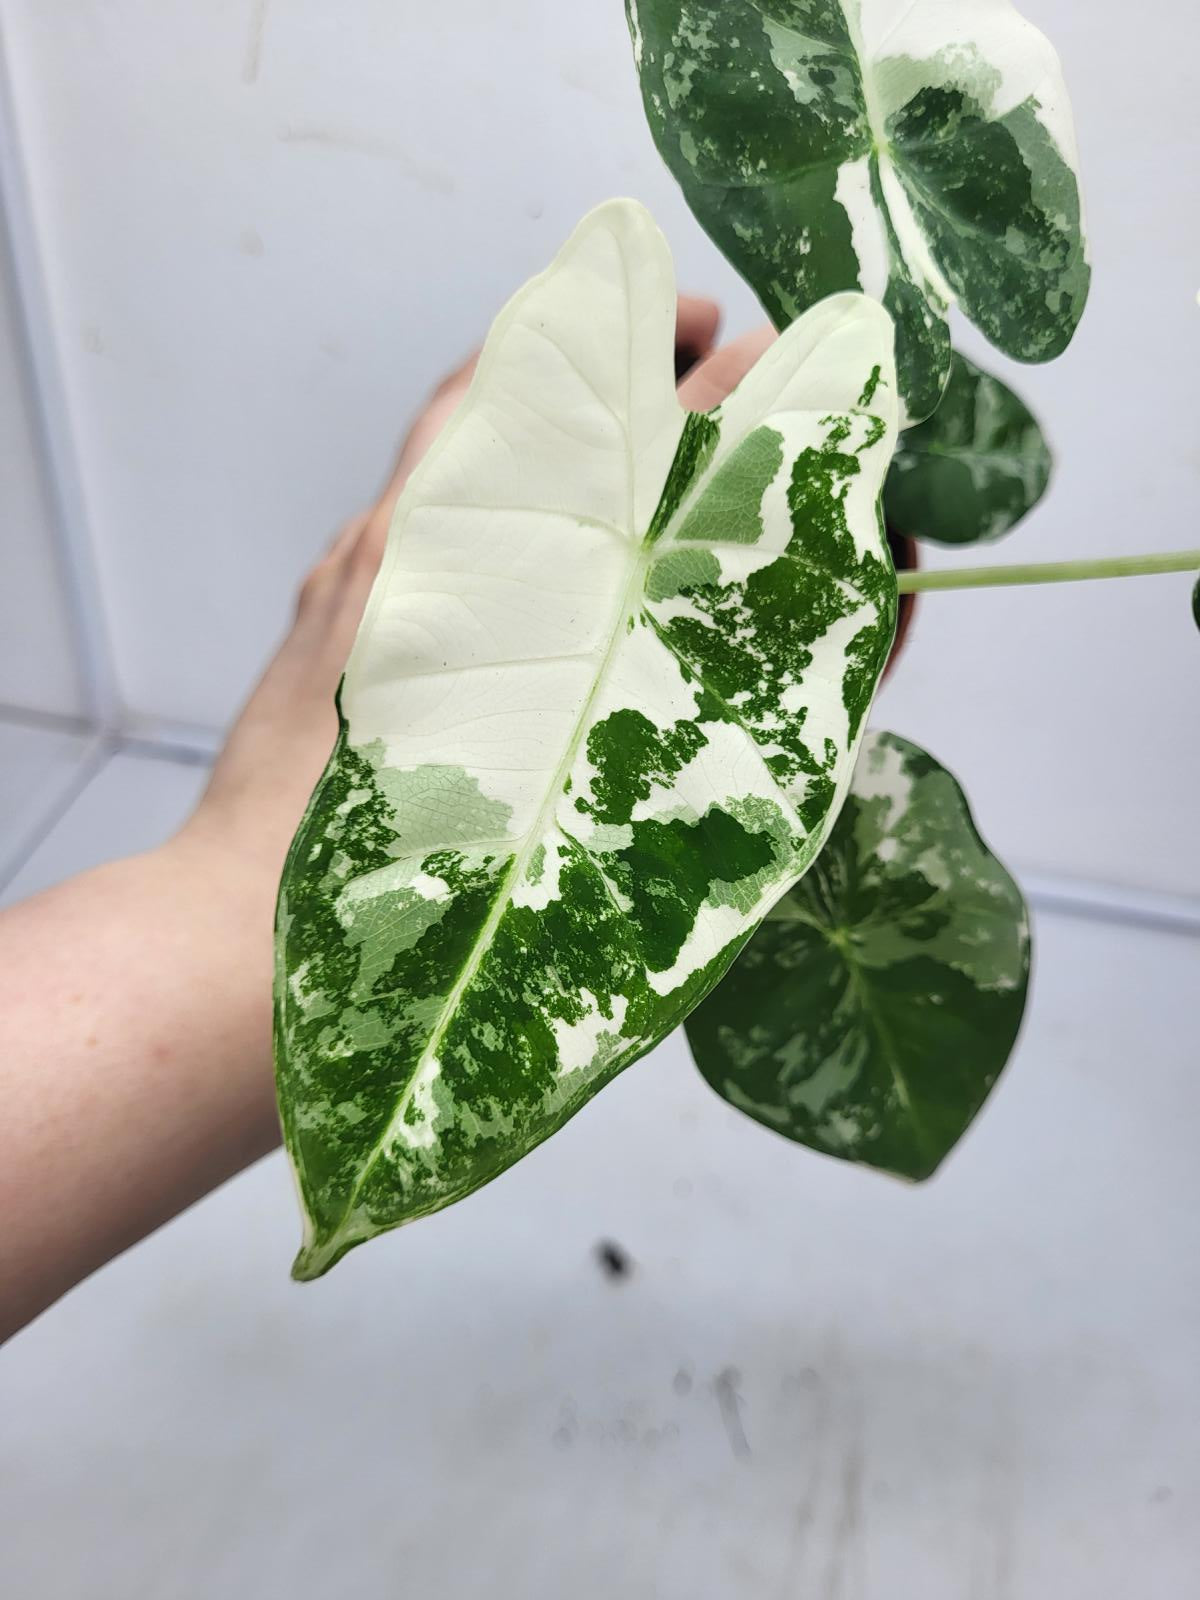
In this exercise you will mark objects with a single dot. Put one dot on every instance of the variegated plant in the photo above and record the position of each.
(920, 150)
(601, 713)
(604, 706)
(873, 1011)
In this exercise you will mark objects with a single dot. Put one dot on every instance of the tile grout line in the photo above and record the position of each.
(92, 761)
(1083, 898)
(39, 721)
(75, 551)
(1091, 901)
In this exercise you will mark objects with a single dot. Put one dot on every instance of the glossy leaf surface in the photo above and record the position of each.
(971, 471)
(601, 712)
(873, 1011)
(920, 150)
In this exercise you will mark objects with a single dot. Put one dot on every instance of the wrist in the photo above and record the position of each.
(215, 858)
(226, 944)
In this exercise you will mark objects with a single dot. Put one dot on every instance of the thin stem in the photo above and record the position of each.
(1049, 572)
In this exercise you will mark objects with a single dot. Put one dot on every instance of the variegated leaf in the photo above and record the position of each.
(601, 712)
(973, 469)
(920, 150)
(1196, 603)
(872, 1012)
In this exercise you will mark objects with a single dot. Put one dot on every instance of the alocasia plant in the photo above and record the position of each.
(604, 707)
(873, 1010)
(601, 713)
(919, 150)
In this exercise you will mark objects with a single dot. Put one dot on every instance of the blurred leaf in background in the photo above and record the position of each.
(971, 471)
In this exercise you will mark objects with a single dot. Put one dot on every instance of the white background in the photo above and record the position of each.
(267, 228)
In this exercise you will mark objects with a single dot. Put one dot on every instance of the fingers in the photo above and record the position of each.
(346, 538)
(458, 380)
(366, 552)
(696, 323)
(344, 577)
(347, 569)
(322, 579)
(440, 408)
(720, 373)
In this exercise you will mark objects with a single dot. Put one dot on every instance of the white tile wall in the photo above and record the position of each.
(259, 280)
(39, 769)
(38, 668)
(269, 228)
(131, 804)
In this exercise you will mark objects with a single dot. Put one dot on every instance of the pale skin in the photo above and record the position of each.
(135, 1000)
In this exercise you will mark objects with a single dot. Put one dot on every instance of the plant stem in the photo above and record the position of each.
(1049, 572)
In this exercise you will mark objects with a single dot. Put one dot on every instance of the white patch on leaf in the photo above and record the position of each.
(868, 237)
(579, 1043)
(416, 1127)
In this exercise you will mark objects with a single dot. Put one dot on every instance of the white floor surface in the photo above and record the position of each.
(814, 1381)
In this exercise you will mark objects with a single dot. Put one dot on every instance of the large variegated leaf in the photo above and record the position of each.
(601, 712)
(921, 150)
(873, 1010)
(972, 470)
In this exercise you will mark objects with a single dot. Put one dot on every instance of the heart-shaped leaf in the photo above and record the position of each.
(872, 1012)
(973, 469)
(919, 150)
(601, 712)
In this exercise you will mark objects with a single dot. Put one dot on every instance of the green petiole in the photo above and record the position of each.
(1049, 572)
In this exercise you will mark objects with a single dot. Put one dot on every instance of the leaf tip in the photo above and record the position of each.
(317, 1256)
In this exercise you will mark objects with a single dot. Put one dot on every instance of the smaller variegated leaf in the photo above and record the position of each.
(971, 471)
(920, 150)
(873, 1011)
(600, 714)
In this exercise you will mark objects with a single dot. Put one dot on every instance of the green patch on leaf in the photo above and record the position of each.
(872, 1012)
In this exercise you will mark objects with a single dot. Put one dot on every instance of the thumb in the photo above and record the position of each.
(711, 380)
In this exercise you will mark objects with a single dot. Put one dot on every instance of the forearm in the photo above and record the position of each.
(135, 1059)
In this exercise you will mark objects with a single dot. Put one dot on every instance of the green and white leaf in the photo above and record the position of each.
(919, 150)
(601, 712)
(972, 470)
(873, 1011)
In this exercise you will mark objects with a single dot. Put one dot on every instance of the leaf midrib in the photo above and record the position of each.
(503, 898)
(861, 991)
(640, 554)
(1008, 459)
(644, 555)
